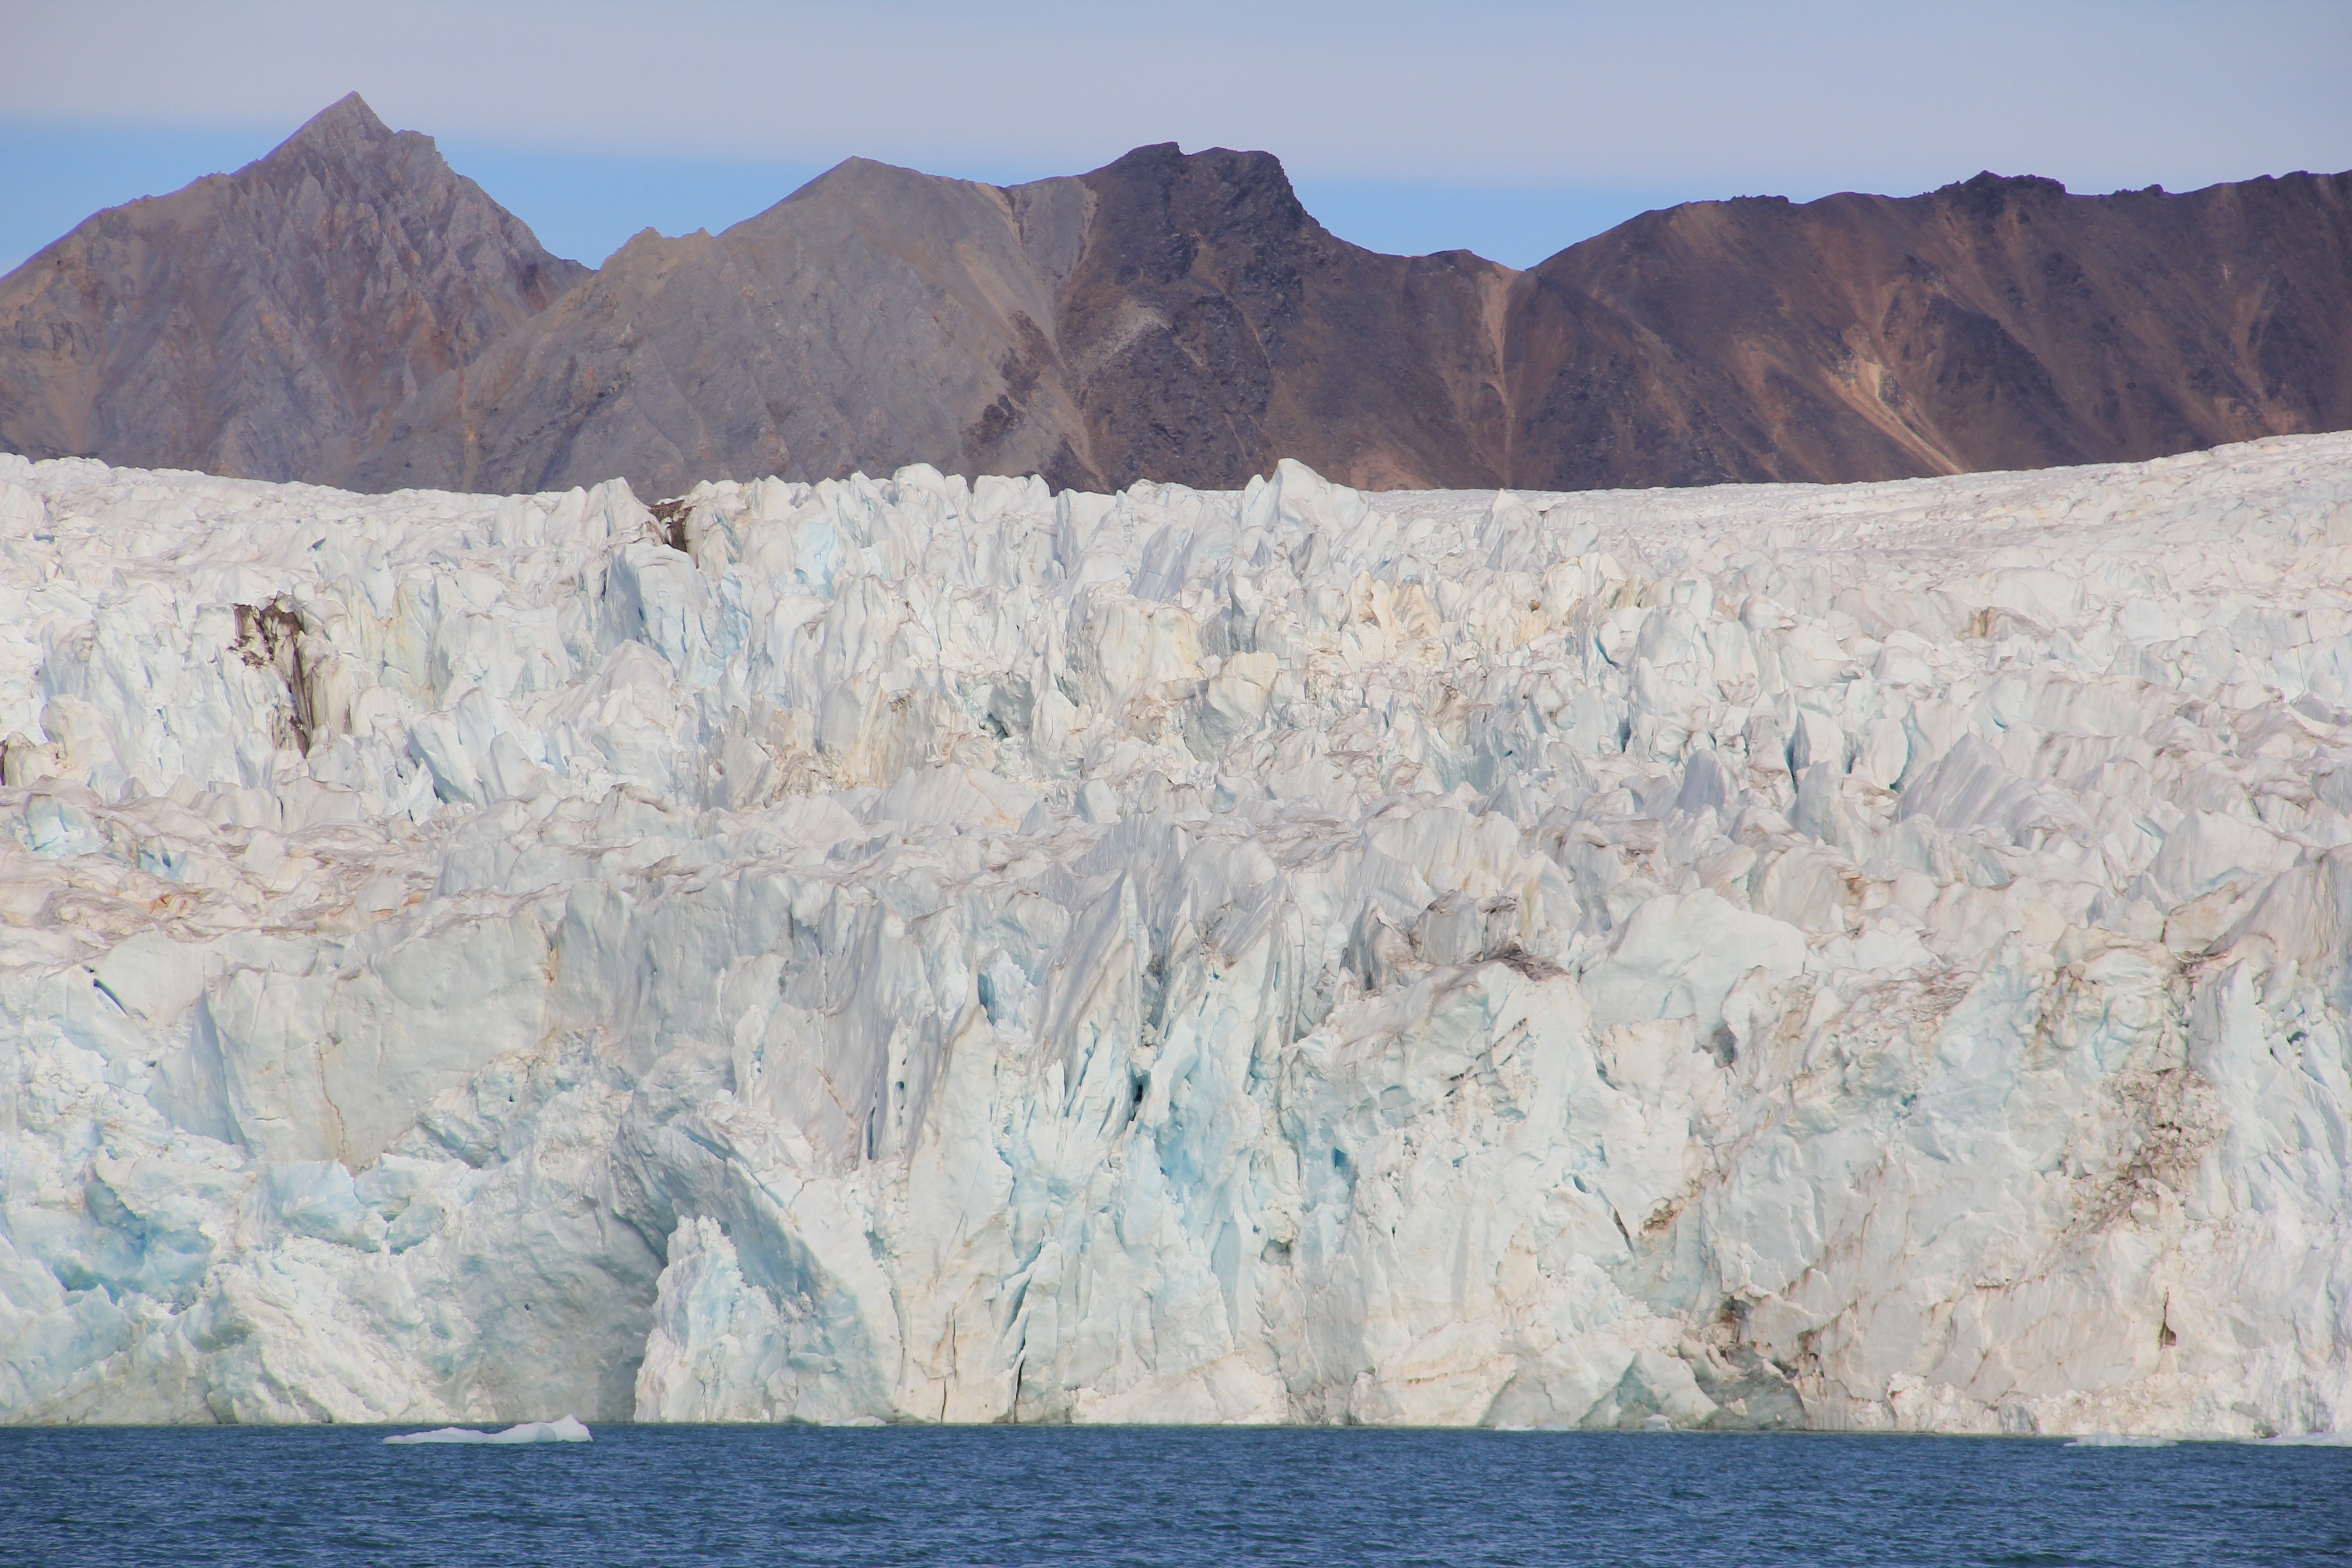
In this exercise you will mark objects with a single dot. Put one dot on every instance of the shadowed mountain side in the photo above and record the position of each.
(873, 317)
(1217, 327)
(1164, 317)
(262, 324)
(1998, 323)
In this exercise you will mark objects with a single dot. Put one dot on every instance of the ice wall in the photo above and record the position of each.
(1869, 956)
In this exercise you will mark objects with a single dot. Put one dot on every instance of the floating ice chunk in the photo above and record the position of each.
(562, 1429)
(2118, 1440)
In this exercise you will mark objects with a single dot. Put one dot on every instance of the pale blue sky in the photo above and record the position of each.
(1505, 126)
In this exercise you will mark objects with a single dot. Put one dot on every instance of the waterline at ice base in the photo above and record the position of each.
(1873, 957)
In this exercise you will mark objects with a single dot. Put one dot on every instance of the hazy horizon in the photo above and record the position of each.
(1506, 127)
(585, 205)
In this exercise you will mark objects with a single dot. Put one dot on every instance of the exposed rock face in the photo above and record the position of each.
(1216, 327)
(349, 310)
(873, 318)
(1992, 324)
(263, 323)
(1166, 315)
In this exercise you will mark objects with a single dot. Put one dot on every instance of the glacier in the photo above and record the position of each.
(1869, 956)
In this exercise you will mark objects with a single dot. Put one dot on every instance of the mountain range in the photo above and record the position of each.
(350, 310)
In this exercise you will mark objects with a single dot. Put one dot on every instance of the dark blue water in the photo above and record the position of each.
(696, 1494)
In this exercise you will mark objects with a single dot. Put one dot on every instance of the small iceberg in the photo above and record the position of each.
(564, 1430)
(2309, 1440)
(2119, 1440)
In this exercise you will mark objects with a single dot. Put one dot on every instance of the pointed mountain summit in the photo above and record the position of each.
(344, 128)
(265, 322)
(349, 310)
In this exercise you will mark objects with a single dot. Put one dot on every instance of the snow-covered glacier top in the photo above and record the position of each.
(1867, 956)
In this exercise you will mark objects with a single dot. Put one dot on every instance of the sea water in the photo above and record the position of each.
(759, 1494)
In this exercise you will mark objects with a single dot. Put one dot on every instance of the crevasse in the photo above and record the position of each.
(1865, 956)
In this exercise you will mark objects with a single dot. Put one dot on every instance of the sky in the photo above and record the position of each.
(1507, 127)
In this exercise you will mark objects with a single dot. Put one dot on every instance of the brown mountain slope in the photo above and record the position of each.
(1215, 327)
(873, 317)
(1167, 316)
(263, 322)
(347, 310)
(1999, 323)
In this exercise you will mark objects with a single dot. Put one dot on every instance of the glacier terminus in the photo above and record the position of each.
(1871, 956)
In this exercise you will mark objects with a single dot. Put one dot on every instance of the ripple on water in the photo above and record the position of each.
(778, 1495)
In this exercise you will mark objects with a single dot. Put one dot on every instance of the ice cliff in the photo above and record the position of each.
(1865, 956)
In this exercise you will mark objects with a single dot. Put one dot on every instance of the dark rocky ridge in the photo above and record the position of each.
(1215, 327)
(266, 323)
(349, 310)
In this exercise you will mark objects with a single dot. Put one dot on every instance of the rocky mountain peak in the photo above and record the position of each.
(343, 127)
(1989, 193)
(264, 324)
(1215, 190)
(351, 310)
